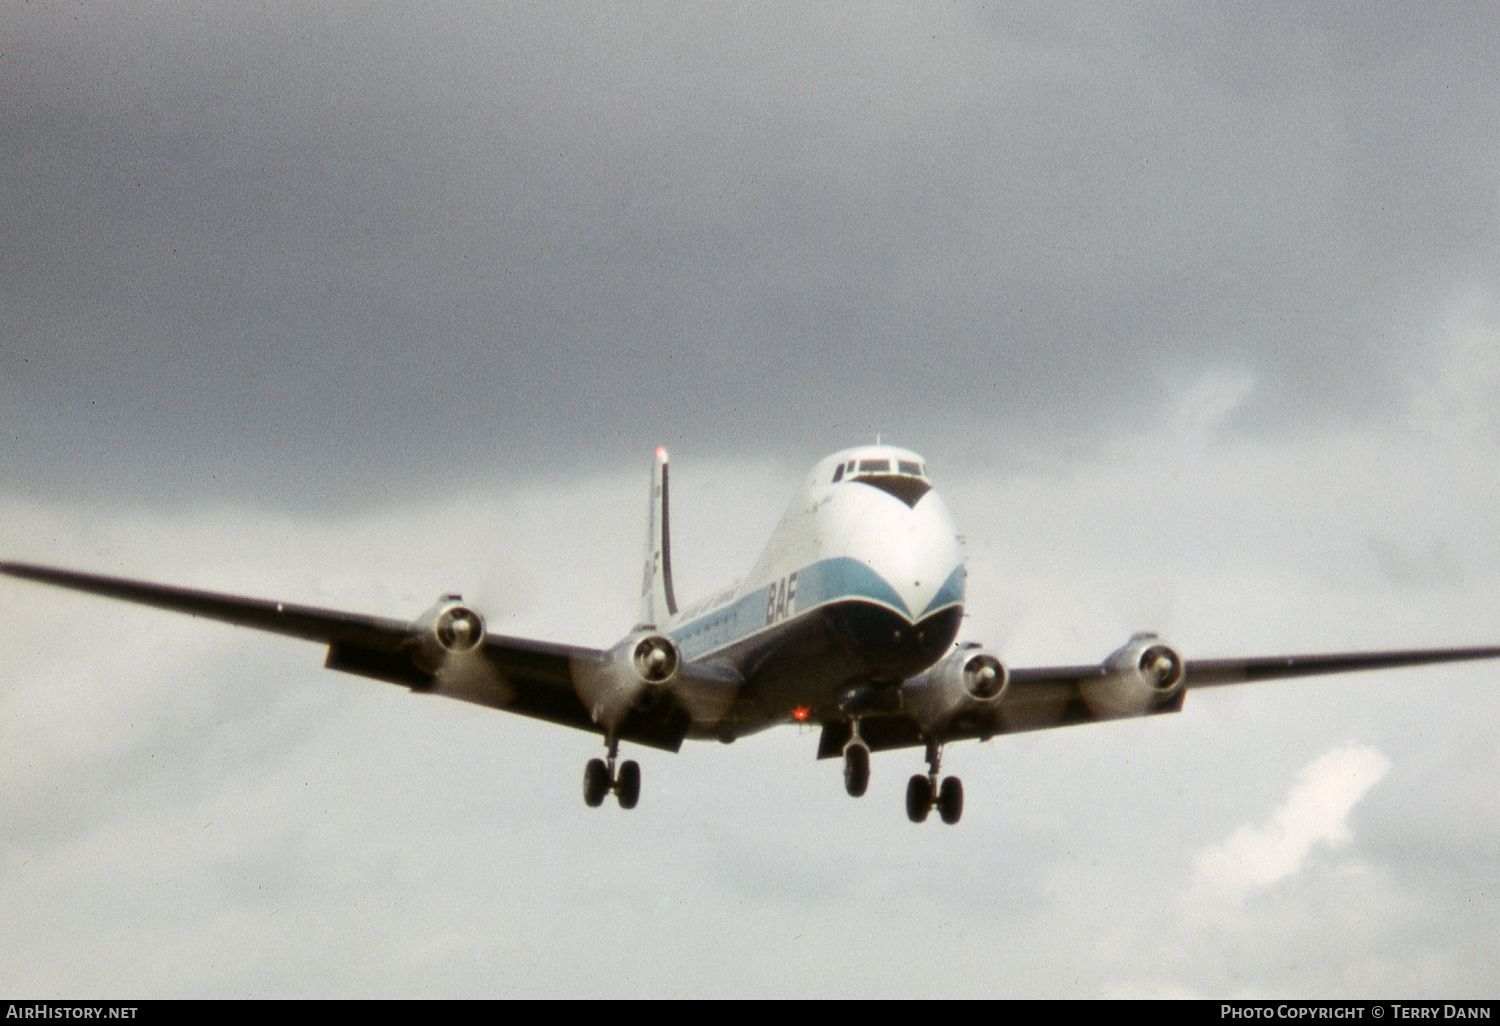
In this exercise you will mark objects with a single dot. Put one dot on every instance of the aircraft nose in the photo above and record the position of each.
(915, 550)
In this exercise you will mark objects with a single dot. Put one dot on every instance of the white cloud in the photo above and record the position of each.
(1315, 813)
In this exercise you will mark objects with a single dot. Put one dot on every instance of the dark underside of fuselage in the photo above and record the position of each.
(842, 652)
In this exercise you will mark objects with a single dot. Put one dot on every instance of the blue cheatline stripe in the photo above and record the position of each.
(844, 578)
(821, 583)
(951, 593)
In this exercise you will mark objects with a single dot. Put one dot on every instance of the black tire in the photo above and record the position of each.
(856, 770)
(918, 798)
(595, 783)
(628, 786)
(951, 800)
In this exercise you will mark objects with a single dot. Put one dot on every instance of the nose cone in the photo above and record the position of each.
(914, 549)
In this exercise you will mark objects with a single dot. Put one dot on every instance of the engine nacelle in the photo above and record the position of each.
(967, 681)
(449, 629)
(626, 677)
(646, 668)
(1134, 679)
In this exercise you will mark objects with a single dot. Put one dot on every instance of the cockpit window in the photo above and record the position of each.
(907, 482)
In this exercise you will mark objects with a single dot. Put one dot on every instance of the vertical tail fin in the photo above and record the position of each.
(658, 603)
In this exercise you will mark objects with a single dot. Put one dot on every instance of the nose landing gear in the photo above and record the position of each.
(856, 762)
(856, 767)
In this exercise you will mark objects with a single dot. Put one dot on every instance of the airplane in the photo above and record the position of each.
(849, 622)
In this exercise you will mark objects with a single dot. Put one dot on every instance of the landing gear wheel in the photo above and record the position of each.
(596, 783)
(950, 801)
(628, 786)
(856, 770)
(918, 798)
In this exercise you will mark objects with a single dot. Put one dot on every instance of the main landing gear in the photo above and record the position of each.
(600, 778)
(923, 794)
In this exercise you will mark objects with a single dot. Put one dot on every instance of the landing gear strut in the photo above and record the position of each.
(924, 793)
(600, 778)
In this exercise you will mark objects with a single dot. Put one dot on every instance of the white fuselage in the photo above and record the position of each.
(860, 587)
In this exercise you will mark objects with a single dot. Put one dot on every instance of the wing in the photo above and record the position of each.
(532, 678)
(1039, 698)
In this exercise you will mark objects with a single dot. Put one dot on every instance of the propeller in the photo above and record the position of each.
(983, 676)
(1160, 666)
(655, 659)
(459, 629)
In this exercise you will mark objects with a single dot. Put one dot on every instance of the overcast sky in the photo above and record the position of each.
(1193, 311)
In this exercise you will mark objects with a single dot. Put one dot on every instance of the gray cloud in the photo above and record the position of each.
(412, 249)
